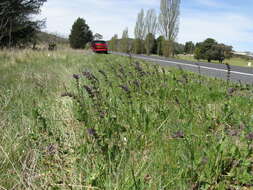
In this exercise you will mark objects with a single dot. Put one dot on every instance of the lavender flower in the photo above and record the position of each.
(89, 91)
(52, 149)
(76, 76)
(92, 132)
(250, 136)
(104, 74)
(137, 83)
(122, 71)
(178, 135)
(67, 94)
(233, 132)
(139, 68)
(126, 89)
(231, 91)
(90, 76)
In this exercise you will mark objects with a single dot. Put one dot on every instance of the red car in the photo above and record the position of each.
(99, 46)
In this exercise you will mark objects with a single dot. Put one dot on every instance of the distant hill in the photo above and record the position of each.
(44, 37)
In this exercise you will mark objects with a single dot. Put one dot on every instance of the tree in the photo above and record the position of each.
(168, 48)
(113, 43)
(211, 50)
(169, 23)
(80, 34)
(189, 47)
(138, 46)
(221, 52)
(178, 48)
(139, 33)
(16, 26)
(204, 49)
(197, 52)
(150, 28)
(149, 43)
(139, 30)
(125, 43)
(160, 42)
(151, 22)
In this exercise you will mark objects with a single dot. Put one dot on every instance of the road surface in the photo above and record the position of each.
(237, 74)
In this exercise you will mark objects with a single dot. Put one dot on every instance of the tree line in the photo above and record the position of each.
(165, 25)
(147, 26)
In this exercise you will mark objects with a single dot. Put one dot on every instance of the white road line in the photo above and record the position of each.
(190, 65)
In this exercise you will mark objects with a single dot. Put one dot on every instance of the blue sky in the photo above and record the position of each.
(227, 21)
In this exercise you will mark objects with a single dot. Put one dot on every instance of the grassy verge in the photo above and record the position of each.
(71, 120)
(237, 61)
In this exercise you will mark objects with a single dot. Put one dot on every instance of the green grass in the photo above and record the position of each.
(119, 125)
(237, 61)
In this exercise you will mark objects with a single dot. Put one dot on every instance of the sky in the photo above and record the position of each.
(227, 21)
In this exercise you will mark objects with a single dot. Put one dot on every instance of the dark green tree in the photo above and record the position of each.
(211, 50)
(125, 45)
(17, 28)
(197, 52)
(178, 48)
(168, 48)
(189, 47)
(149, 43)
(138, 46)
(113, 43)
(80, 34)
(221, 52)
(160, 42)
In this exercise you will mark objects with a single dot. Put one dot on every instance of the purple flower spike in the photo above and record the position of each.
(250, 136)
(92, 132)
(178, 135)
(76, 76)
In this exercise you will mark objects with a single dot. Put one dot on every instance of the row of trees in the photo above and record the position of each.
(208, 50)
(146, 28)
(167, 25)
(17, 29)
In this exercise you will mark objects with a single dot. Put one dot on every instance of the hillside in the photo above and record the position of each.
(44, 37)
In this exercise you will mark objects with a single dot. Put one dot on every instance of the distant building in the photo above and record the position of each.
(249, 54)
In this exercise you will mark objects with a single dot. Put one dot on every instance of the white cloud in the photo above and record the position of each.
(210, 3)
(105, 17)
(229, 28)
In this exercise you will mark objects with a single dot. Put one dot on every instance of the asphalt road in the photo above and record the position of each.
(237, 74)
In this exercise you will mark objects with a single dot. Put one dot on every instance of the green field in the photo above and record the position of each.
(119, 124)
(237, 61)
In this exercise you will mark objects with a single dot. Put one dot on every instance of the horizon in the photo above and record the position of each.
(227, 23)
